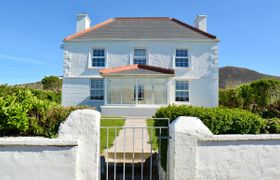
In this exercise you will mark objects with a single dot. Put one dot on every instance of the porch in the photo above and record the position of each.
(137, 90)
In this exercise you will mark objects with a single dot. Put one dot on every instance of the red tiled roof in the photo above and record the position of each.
(78, 34)
(136, 66)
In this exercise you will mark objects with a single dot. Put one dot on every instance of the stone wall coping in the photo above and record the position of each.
(36, 141)
(242, 137)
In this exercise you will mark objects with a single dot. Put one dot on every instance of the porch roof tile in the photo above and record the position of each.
(135, 67)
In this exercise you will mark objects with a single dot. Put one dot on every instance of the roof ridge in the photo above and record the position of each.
(142, 18)
(193, 28)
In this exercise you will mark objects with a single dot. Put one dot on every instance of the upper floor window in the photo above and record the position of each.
(140, 56)
(96, 89)
(182, 58)
(182, 91)
(98, 58)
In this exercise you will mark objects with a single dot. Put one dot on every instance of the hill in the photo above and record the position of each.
(231, 76)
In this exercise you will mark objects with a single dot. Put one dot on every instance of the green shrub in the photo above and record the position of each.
(40, 94)
(273, 126)
(52, 83)
(261, 97)
(219, 120)
(24, 113)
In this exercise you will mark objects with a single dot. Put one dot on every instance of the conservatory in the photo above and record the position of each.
(136, 85)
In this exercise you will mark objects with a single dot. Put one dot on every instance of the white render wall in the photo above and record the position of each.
(198, 154)
(37, 158)
(202, 73)
(74, 155)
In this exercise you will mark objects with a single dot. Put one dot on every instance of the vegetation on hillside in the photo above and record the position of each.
(261, 97)
(50, 83)
(231, 76)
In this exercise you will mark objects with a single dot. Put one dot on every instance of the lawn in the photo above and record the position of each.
(152, 134)
(109, 122)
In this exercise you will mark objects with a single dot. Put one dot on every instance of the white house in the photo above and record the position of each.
(132, 66)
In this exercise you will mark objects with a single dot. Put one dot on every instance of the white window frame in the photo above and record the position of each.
(188, 90)
(91, 58)
(90, 89)
(146, 55)
(189, 58)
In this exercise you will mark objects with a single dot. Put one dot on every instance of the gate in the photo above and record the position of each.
(137, 150)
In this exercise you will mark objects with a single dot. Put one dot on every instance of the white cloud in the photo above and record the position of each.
(21, 59)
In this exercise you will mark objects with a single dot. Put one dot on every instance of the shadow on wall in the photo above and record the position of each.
(91, 103)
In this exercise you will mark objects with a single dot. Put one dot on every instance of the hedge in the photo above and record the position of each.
(22, 113)
(219, 120)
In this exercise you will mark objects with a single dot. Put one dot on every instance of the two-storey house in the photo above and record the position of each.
(132, 66)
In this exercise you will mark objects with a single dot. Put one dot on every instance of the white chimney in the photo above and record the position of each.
(200, 22)
(83, 22)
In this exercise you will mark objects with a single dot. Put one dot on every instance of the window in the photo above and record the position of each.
(182, 91)
(181, 59)
(97, 89)
(98, 58)
(139, 56)
(139, 89)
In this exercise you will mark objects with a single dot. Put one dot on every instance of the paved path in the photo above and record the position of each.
(124, 142)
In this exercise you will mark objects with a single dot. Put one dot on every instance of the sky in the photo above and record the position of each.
(31, 31)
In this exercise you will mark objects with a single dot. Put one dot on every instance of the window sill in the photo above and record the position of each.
(96, 67)
(95, 100)
(186, 68)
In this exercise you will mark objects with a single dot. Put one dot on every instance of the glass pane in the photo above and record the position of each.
(160, 94)
(97, 94)
(139, 61)
(182, 85)
(97, 83)
(182, 96)
(128, 94)
(98, 62)
(181, 53)
(182, 62)
(140, 52)
(98, 52)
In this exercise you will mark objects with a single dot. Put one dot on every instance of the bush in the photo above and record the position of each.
(218, 120)
(25, 114)
(52, 83)
(40, 94)
(273, 126)
(261, 97)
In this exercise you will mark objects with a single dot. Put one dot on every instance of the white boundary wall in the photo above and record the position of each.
(74, 155)
(195, 153)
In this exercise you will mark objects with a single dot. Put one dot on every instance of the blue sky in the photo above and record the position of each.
(31, 31)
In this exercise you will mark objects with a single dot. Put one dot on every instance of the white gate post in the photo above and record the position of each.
(184, 132)
(85, 126)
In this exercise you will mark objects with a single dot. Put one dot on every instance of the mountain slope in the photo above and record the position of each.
(231, 76)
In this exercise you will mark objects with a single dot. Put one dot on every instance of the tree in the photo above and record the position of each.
(53, 83)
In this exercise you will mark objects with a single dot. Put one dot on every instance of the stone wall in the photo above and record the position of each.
(195, 153)
(74, 155)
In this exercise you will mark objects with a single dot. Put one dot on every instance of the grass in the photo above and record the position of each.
(109, 122)
(152, 132)
(154, 136)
